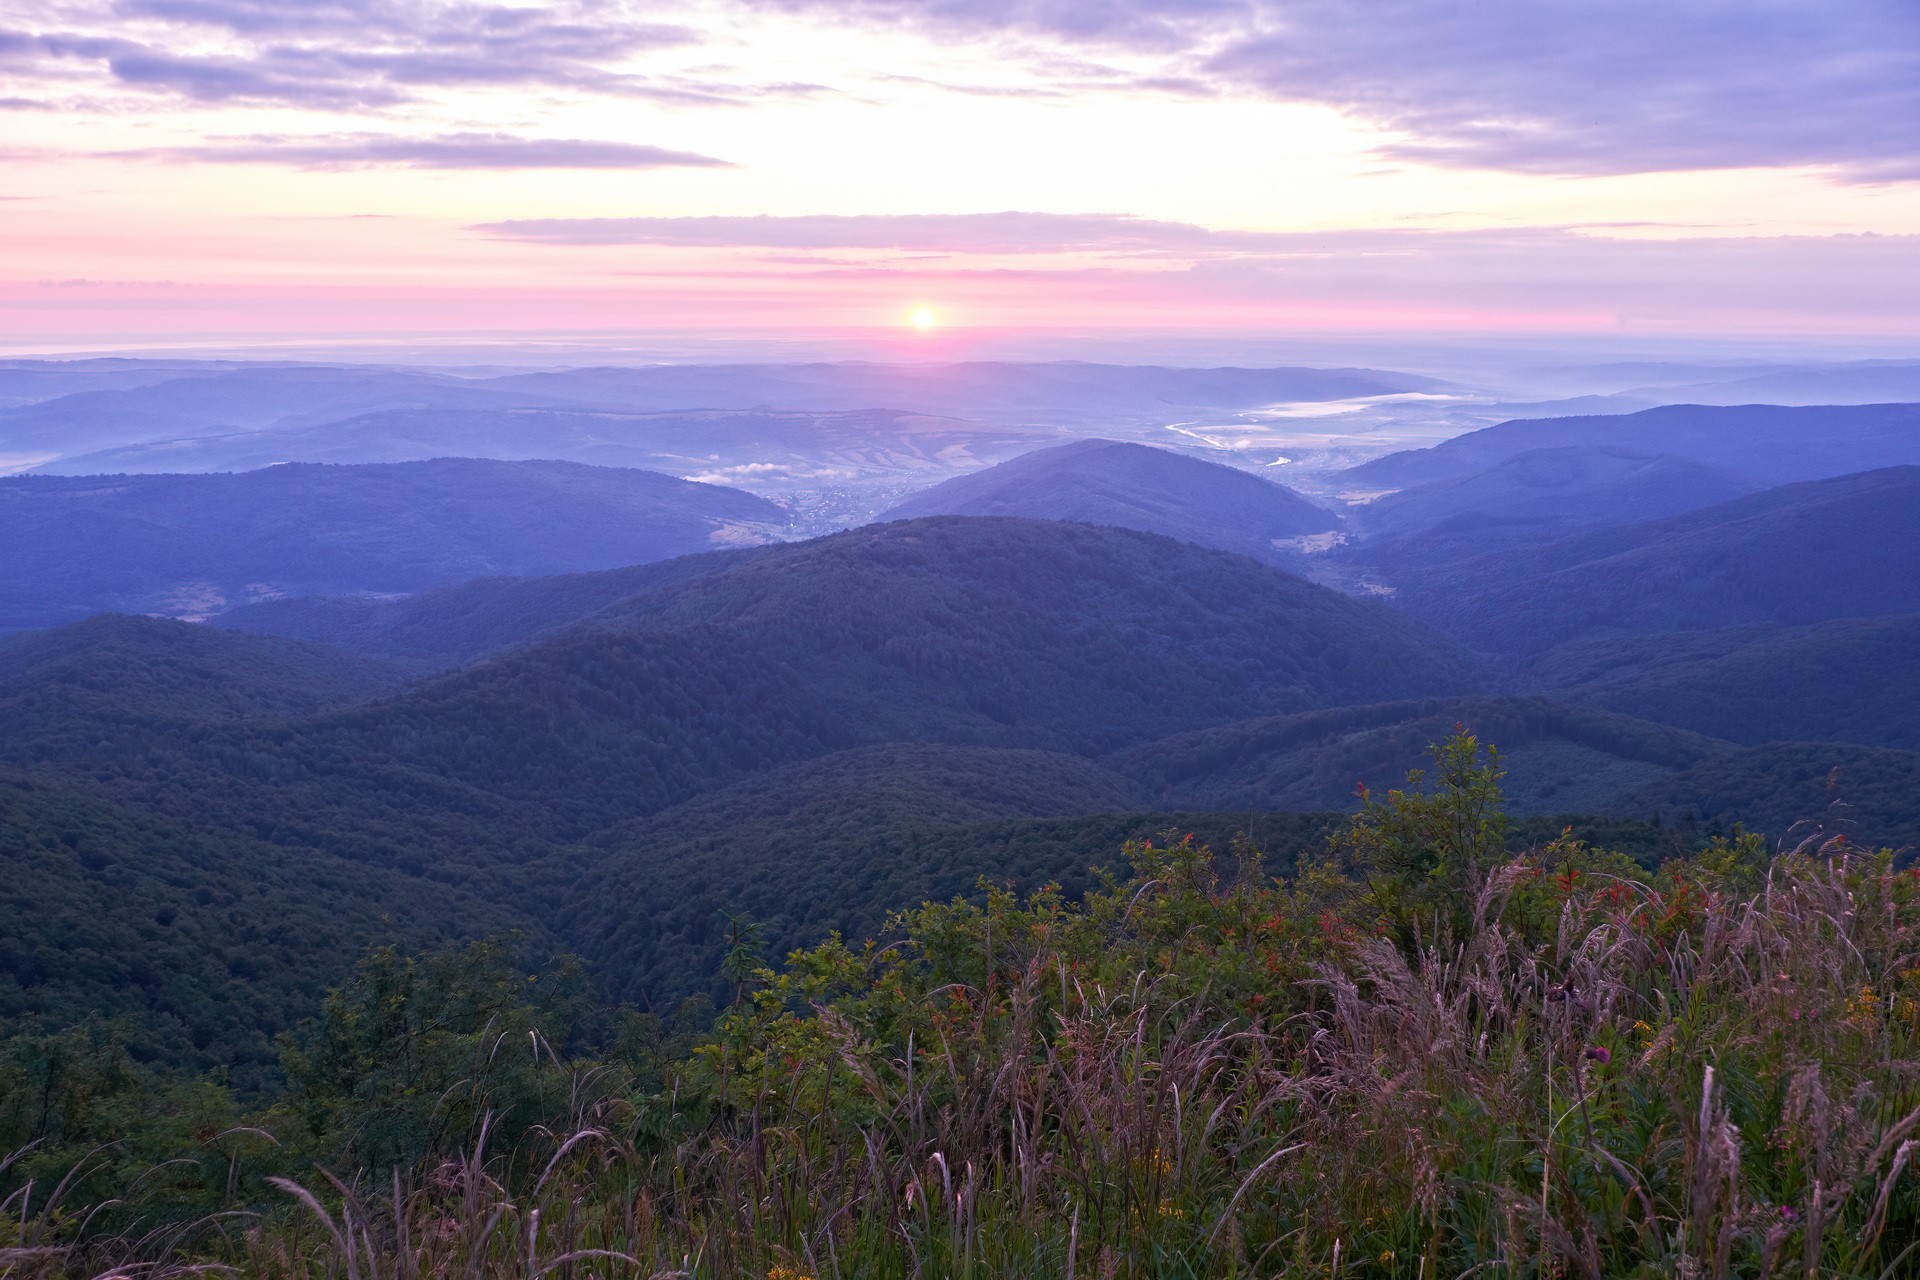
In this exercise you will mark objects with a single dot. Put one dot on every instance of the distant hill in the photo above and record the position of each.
(765, 446)
(25, 382)
(191, 546)
(1797, 554)
(1853, 680)
(1559, 759)
(1557, 489)
(1773, 444)
(1063, 392)
(128, 408)
(954, 630)
(1848, 382)
(986, 631)
(452, 625)
(1133, 486)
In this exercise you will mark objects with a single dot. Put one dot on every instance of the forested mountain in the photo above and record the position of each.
(1797, 554)
(1773, 444)
(1556, 489)
(204, 942)
(113, 666)
(1558, 759)
(1854, 680)
(452, 625)
(995, 632)
(832, 843)
(818, 733)
(1135, 487)
(992, 632)
(190, 546)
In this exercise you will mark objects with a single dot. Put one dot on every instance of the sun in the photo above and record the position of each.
(923, 318)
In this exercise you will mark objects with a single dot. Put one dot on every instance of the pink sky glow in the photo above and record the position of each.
(173, 172)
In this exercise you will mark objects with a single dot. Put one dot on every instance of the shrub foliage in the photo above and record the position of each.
(1419, 1055)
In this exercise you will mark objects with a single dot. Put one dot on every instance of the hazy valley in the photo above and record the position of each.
(678, 670)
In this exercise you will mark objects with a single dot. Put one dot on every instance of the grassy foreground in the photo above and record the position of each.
(1418, 1058)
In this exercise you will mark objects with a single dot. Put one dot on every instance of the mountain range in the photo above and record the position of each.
(820, 422)
(192, 546)
(605, 706)
(1773, 444)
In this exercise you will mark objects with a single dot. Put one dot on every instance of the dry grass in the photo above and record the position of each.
(1571, 1072)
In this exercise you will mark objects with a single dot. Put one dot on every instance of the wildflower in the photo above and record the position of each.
(1789, 1214)
(1599, 1055)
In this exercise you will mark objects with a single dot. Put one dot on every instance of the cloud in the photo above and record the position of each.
(446, 151)
(1552, 86)
(1607, 86)
(1584, 87)
(1517, 278)
(993, 233)
(1638, 282)
(352, 54)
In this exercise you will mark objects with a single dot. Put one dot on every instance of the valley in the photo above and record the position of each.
(682, 709)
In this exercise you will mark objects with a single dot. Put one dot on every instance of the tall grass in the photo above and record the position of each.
(1554, 1065)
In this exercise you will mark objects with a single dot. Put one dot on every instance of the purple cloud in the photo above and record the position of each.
(350, 54)
(998, 233)
(1551, 86)
(1800, 282)
(446, 151)
(1546, 86)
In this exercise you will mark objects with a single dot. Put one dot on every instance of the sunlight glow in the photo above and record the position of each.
(923, 318)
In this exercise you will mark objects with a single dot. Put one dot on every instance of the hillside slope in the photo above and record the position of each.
(835, 842)
(158, 667)
(1854, 680)
(1772, 443)
(210, 943)
(452, 625)
(1132, 486)
(1559, 759)
(189, 546)
(1795, 791)
(1798, 554)
(1558, 489)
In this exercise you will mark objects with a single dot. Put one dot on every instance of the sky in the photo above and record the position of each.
(182, 170)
